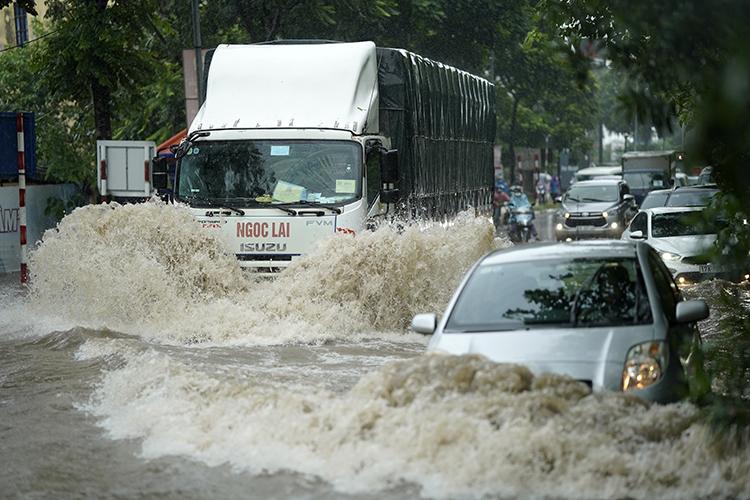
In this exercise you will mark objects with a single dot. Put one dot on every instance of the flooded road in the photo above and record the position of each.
(143, 362)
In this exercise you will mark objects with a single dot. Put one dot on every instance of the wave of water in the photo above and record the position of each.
(149, 269)
(454, 426)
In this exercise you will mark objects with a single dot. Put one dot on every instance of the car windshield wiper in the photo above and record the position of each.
(316, 204)
(255, 203)
(594, 200)
(211, 204)
(570, 198)
(545, 322)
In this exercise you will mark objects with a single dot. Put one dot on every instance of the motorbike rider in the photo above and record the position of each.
(518, 200)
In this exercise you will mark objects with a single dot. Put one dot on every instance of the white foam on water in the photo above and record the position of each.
(455, 426)
(151, 270)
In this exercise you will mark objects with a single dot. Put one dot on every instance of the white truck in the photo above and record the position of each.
(298, 141)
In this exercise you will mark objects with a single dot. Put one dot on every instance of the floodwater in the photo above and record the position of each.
(142, 362)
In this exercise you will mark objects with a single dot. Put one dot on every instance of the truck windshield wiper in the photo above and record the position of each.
(209, 203)
(255, 203)
(316, 204)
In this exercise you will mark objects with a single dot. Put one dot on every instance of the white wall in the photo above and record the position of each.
(36, 221)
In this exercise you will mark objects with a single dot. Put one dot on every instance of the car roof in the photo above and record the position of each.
(599, 182)
(602, 170)
(568, 250)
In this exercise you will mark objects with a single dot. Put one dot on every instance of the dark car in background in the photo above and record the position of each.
(687, 196)
(595, 209)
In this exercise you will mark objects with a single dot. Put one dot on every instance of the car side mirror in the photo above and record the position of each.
(637, 235)
(389, 166)
(159, 168)
(424, 323)
(690, 311)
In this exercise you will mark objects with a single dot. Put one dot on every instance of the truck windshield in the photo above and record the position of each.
(271, 171)
(645, 180)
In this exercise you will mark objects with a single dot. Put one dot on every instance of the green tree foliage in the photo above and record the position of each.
(28, 5)
(537, 95)
(65, 138)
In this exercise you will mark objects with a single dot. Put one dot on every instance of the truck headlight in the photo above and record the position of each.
(644, 365)
(669, 256)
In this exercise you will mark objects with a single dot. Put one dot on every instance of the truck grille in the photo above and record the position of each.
(264, 257)
(586, 221)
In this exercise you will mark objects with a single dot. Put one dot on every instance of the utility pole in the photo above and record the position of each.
(198, 51)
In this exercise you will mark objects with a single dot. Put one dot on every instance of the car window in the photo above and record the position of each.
(681, 224)
(691, 198)
(667, 289)
(593, 194)
(570, 292)
(640, 223)
(654, 200)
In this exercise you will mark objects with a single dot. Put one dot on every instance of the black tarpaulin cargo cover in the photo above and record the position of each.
(442, 121)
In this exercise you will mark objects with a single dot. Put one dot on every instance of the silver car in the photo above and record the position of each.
(606, 313)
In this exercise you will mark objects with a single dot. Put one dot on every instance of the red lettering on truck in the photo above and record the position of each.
(262, 230)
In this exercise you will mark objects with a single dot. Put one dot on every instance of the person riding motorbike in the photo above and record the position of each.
(519, 201)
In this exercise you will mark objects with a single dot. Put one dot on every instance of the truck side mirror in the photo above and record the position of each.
(389, 167)
(159, 168)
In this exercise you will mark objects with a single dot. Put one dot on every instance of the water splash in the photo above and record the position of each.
(454, 426)
(150, 270)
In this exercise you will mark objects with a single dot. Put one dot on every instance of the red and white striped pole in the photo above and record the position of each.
(22, 195)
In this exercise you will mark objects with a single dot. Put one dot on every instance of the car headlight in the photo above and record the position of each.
(669, 256)
(559, 226)
(567, 215)
(645, 365)
(614, 225)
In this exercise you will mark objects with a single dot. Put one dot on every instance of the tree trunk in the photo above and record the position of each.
(101, 97)
(512, 140)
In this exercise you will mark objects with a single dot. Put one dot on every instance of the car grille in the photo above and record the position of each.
(697, 260)
(586, 221)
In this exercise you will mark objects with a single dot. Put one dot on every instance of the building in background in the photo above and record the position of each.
(16, 28)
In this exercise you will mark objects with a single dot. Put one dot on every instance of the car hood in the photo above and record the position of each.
(591, 354)
(685, 246)
(576, 207)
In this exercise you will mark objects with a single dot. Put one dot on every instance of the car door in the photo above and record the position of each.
(684, 339)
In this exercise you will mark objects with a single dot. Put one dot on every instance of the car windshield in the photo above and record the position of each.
(645, 180)
(566, 292)
(271, 172)
(654, 200)
(681, 224)
(593, 194)
(699, 198)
